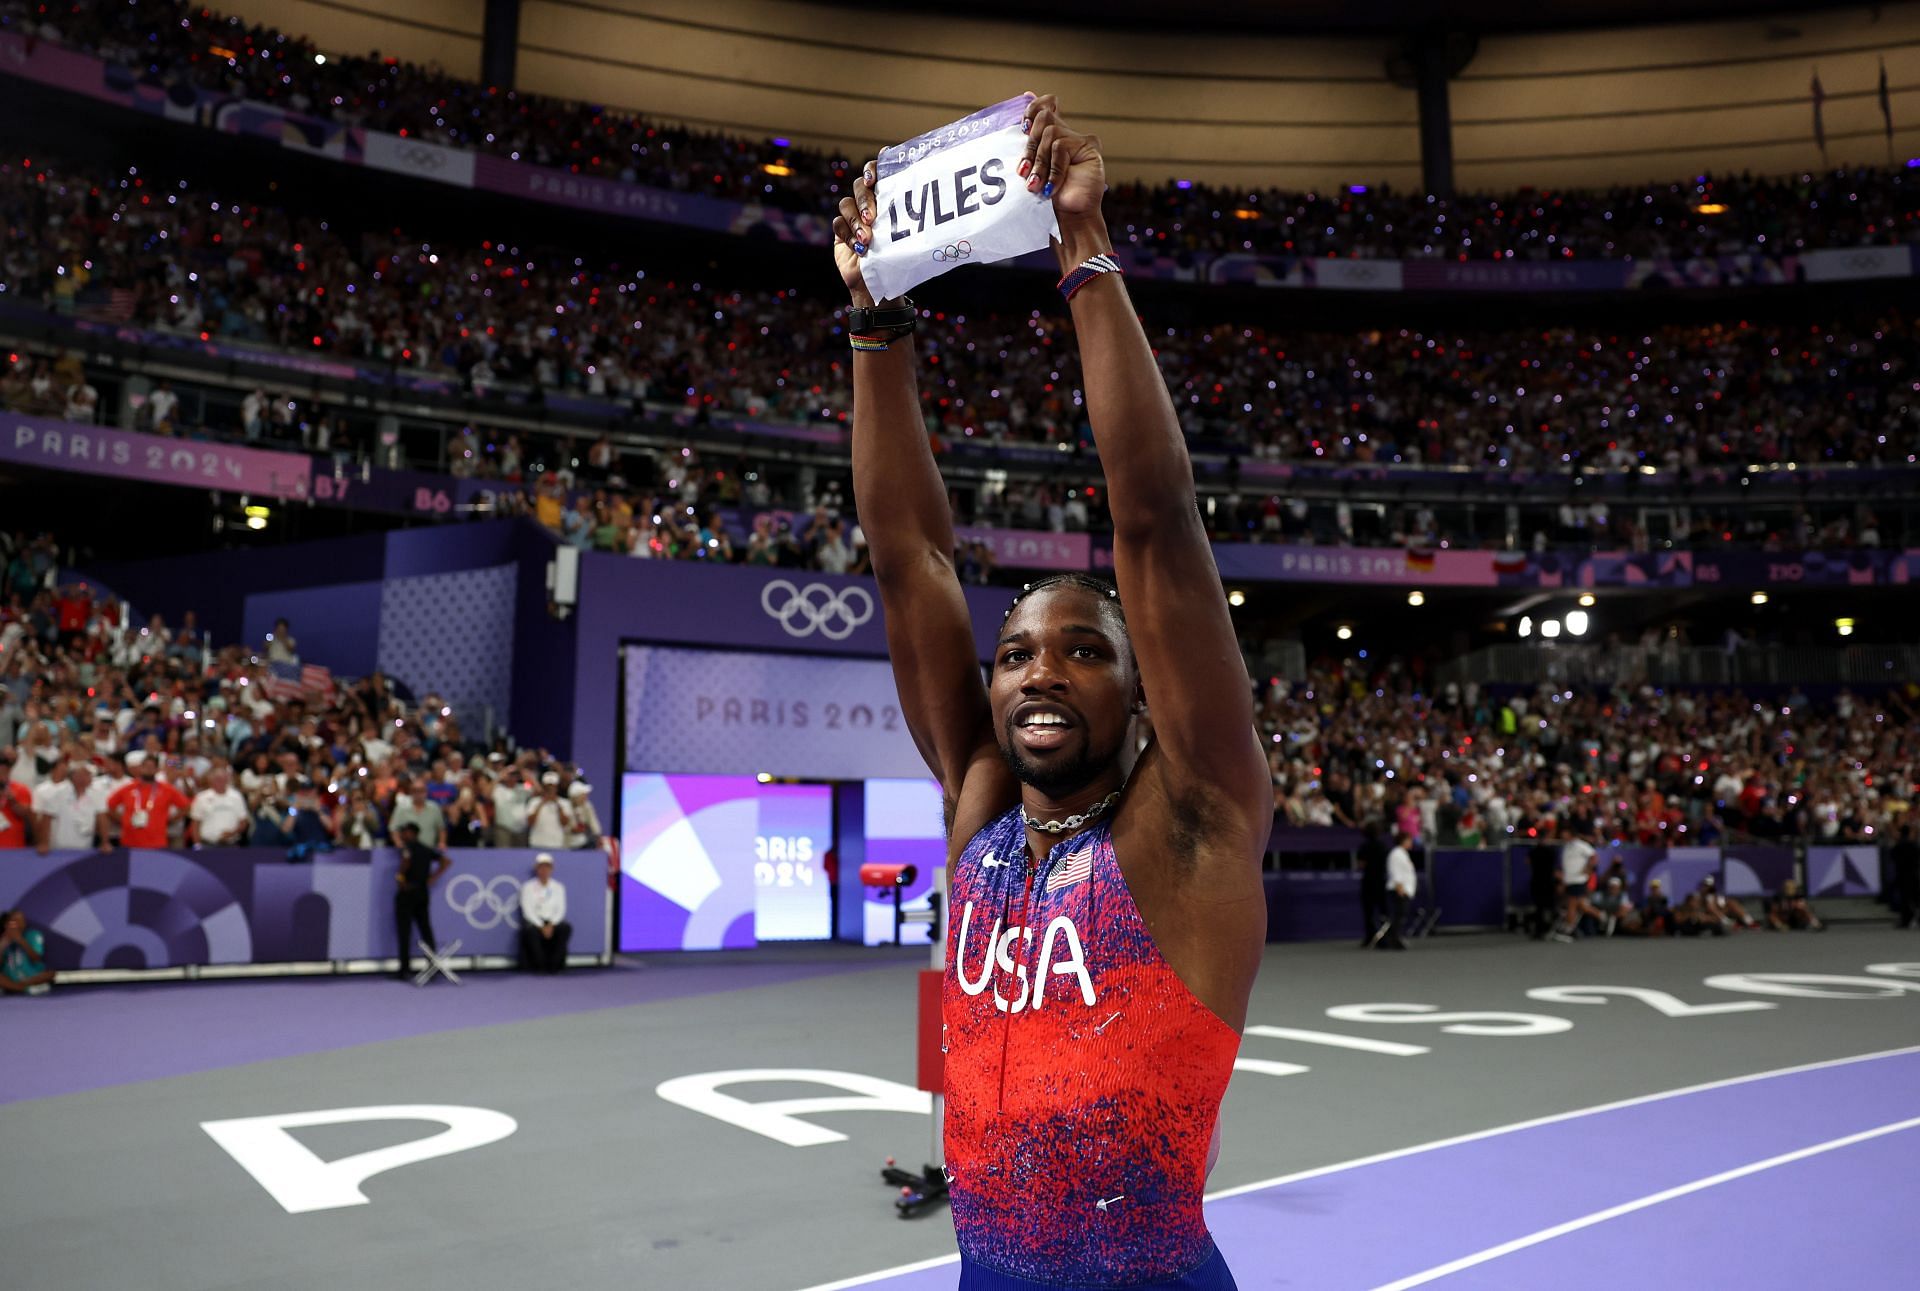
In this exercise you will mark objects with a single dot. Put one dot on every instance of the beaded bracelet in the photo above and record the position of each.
(867, 342)
(1086, 273)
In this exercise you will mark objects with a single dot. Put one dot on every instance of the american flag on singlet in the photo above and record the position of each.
(1075, 867)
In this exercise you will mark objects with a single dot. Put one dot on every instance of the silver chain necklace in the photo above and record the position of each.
(1071, 823)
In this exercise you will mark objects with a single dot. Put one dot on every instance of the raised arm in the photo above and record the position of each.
(902, 505)
(1191, 669)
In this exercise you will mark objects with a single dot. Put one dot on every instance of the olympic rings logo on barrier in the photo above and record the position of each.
(802, 611)
(953, 251)
(483, 907)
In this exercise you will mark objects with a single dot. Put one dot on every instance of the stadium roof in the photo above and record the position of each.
(1388, 16)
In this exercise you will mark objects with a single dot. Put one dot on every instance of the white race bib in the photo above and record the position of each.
(954, 196)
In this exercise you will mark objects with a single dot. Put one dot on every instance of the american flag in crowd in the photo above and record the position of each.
(116, 307)
(299, 681)
(1076, 868)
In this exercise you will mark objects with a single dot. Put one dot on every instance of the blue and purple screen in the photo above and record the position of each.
(721, 862)
(904, 827)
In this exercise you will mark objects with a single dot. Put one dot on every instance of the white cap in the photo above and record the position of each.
(551, 777)
(579, 789)
(135, 758)
(544, 858)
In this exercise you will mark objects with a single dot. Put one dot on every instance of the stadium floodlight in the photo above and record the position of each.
(1576, 623)
(1526, 625)
(1758, 598)
(1343, 632)
(1586, 600)
(1843, 626)
(1236, 598)
(1416, 598)
(1549, 628)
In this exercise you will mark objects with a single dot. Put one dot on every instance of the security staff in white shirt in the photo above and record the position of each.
(1403, 882)
(71, 814)
(544, 930)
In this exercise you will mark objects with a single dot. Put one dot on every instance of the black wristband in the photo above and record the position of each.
(884, 320)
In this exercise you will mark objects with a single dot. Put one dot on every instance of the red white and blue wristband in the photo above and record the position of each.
(1086, 273)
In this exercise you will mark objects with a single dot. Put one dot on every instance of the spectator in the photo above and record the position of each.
(587, 830)
(1657, 920)
(549, 819)
(1717, 905)
(411, 806)
(71, 812)
(16, 806)
(510, 808)
(544, 930)
(1789, 910)
(359, 824)
(421, 867)
(23, 956)
(145, 807)
(218, 816)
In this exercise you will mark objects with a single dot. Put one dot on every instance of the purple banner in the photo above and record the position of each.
(201, 464)
(1858, 567)
(1843, 871)
(736, 712)
(161, 909)
(1755, 869)
(1469, 887)
(1313, 905)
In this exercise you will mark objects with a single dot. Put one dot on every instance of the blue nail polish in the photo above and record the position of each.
(859, 248)
(1048, 190)
(1026, 126)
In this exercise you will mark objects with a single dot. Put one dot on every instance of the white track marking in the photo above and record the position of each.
(1419, 1148)
(1334, 1040)
(1642, 1203)
(1267, 1067)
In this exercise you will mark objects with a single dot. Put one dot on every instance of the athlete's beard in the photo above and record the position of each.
(1057, 778)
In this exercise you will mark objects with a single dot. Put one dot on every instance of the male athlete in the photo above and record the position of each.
(1107, 912)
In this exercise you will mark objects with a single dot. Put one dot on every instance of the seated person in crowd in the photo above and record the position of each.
(1612, 909)
(23, 964)
(544, 930)
(1656, 919)
(1788, 910)
(1692, 917)
(1719, 906)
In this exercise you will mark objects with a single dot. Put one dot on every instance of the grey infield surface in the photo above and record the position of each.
(605, 1184)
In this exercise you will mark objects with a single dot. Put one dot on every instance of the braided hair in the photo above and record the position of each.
(1086, 582)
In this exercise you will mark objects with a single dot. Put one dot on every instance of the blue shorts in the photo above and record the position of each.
(1210, 1274)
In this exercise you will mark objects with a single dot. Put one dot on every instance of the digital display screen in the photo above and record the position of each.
(792, 898)
(904, 827)
(722, 862)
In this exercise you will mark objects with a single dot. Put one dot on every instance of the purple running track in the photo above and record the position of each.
(1371, 1224)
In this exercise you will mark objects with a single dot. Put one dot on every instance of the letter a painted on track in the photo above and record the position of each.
(301, 1182)
(779, 1119)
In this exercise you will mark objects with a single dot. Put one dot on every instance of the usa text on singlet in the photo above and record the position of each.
(1083, 1078)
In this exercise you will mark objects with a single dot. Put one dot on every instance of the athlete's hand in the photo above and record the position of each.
(853, 234)
(1062, 162)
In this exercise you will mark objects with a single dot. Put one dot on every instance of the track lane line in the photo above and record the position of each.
(1465, 1262)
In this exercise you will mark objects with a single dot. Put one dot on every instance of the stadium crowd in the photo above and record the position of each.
(503, 321)
(174, 41)
(147, 734)
(1468, 766)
